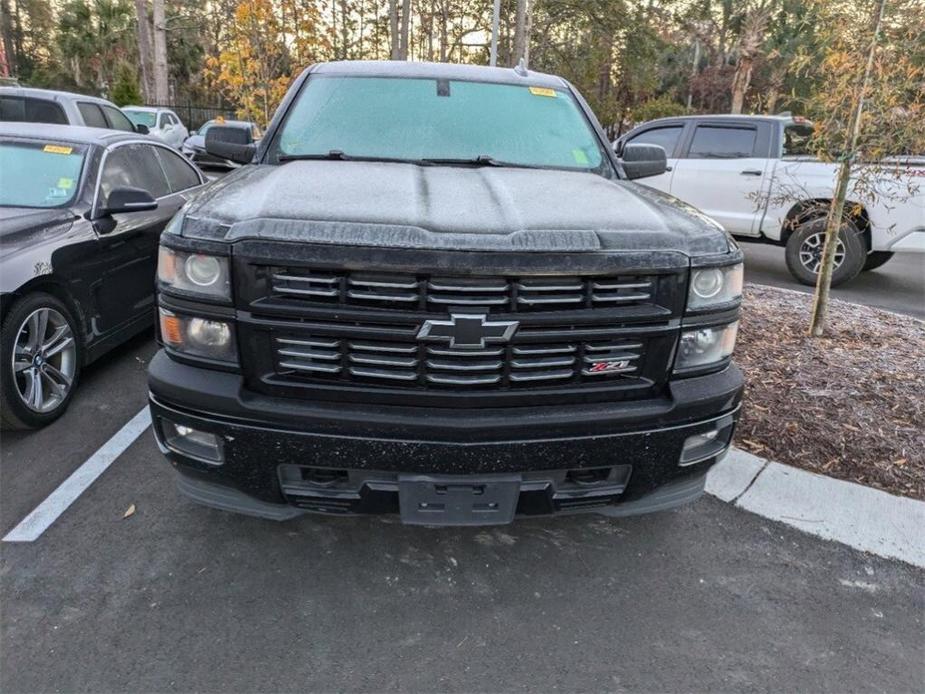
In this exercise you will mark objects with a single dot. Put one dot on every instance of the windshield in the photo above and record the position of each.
(141, 117)
(46, 174)
(419, 119)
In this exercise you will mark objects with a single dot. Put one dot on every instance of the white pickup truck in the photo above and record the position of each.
(753, 175)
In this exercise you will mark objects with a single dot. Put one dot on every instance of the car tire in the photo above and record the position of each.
(875, 259)
(804, 252)
(40, 356)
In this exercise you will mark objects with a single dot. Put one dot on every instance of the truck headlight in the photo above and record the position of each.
(194, 274)
(712, 286)
(198, 337)
(705, 346)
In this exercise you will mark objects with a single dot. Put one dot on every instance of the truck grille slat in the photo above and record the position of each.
(399, 291)
(401, 360)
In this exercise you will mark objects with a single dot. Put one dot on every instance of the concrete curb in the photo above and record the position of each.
(860, 517)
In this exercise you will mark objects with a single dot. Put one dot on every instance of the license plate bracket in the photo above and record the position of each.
(458, 500)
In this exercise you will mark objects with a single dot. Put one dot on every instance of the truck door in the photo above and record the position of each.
(722, 172)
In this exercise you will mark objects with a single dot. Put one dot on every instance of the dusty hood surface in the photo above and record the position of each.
(463, 208)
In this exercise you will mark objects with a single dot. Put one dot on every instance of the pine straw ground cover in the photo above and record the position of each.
(850, 405)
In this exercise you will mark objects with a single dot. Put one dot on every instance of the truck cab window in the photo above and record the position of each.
(796, 140)
(721, 142)
(666, 138)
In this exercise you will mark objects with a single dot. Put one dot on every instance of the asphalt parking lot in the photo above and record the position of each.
(181, 598)
(897, 286)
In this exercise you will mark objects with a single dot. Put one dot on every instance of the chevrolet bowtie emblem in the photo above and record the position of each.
(467, 331)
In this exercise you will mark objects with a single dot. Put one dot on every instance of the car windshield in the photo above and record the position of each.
(439, 119)
(146, 118)
(46, 173)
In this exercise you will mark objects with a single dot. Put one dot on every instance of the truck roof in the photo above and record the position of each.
(474, 73)
(732, 116)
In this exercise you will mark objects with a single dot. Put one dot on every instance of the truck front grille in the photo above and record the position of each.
(583, 328)
(405, 363)
(436, 293)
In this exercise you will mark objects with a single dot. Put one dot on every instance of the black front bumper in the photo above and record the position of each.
(283, 456)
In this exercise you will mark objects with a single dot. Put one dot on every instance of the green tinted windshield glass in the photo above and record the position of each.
(140, 117)
(39, 174)
(440, 119)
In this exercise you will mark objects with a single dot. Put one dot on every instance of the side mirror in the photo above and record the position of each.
(125, 199)
(234, 144)
(642, 161)
(142, 129)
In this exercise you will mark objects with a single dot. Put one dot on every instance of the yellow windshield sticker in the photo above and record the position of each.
(58, 149)
(65, 182)
(542, 91)
(579, 156)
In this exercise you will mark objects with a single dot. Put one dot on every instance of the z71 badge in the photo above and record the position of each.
(606, 367)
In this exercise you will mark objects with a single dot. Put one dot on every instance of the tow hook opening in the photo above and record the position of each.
(589, 477)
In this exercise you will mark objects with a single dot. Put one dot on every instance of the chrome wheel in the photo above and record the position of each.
(44, 360)
(811, 252)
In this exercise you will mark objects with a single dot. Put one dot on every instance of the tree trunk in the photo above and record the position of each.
(740, 81)
(10, 62)
(749, 48)
(837, 209)
(528, 33)
(405, 28)
(160, 53)
(143, 32)
(394, 43)
(520, 32)
(695, 68)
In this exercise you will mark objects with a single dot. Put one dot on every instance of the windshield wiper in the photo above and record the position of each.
(481, 160)
(339, 155)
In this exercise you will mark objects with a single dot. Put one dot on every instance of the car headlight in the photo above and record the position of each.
(194, 274)
(701, 347)
(712, 286)
(198, 337)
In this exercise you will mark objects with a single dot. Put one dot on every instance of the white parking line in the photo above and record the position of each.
(32, 526)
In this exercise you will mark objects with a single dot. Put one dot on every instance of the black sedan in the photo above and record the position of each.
(81, 211)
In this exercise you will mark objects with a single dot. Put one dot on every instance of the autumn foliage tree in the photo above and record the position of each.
(868, 110)
(253, 68)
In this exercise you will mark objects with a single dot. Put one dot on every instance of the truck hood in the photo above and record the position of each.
(444, 207)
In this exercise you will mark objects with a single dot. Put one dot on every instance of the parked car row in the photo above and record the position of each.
(28, 105)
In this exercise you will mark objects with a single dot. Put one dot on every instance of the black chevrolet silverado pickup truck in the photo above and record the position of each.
(434, 292)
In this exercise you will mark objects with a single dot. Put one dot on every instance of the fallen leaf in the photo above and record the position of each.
(130, 511)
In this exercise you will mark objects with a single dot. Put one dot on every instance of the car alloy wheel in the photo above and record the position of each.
(811, 252)
(44, 360)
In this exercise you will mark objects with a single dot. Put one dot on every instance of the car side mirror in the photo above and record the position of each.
(234, 144)
(142, 129)
(125, 199)
(642, 161)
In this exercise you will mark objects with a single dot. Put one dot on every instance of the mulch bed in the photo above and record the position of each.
(850, 405)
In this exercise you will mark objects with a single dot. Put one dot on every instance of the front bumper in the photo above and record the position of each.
(283, 456)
